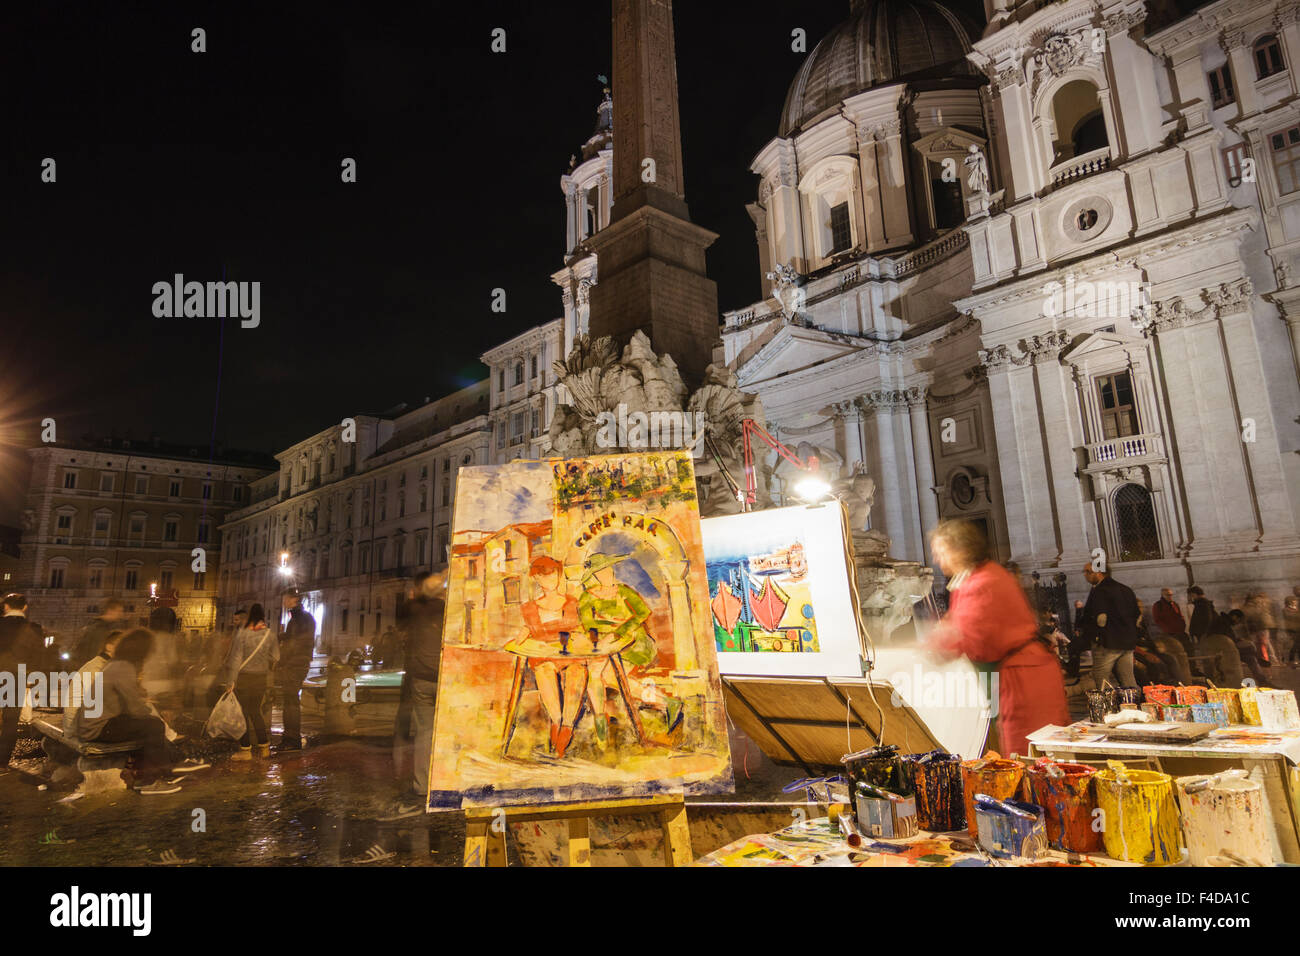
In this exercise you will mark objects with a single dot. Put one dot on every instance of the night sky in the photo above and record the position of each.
(227, 163)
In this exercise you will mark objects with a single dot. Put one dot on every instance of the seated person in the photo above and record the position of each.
(84, 677)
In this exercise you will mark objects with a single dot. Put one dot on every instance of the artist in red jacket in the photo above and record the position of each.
(989, 622)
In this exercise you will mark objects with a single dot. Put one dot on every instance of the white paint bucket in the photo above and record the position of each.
(1277, 710)
(1224, 813)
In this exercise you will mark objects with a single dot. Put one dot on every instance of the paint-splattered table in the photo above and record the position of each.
(1270, 757)
(818, 842)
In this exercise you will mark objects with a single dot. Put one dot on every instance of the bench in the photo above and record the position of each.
(92, 765)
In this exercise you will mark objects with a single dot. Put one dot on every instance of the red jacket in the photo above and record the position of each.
(990, 622)
(1168, 617)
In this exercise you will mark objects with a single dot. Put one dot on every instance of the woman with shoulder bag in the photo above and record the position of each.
(253, 653)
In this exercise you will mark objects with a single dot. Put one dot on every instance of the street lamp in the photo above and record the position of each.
(285, 570)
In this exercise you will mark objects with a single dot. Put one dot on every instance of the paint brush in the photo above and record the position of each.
(851, 835)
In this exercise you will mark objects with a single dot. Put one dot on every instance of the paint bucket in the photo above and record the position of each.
(1277, 710)
(991, 775)
(1009, 828)
(882, 813)
(935, 779)
(1222, 814)
(1211, 712)
(1130, 697)
(1180, 713)
(1159, 693)
(1189, 695)
(1101, 703)
(1065, 792)
(1250, 705)
(1230, 698)
(1139, 817)
(877, 766)
(1152, 710)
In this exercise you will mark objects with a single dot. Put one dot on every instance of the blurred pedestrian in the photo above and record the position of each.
(1291, 625)
(20, 644)
(424, 615)
(297, 644)
(990, 622)
(91, 642)
(86, 673)
(248, 664)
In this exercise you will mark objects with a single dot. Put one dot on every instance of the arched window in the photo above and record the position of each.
(1135, 520)
(1268, 56)
(1080, 124)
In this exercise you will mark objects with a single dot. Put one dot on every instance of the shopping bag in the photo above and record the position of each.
(226, 719)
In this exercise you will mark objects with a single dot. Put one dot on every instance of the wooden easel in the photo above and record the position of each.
(485, 843)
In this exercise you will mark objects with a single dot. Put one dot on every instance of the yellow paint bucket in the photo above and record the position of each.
(1139, 817)
(1224, 814)
(1230, 698)
(1250, 705)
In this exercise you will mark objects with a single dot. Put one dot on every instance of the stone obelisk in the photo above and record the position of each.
(651, 256)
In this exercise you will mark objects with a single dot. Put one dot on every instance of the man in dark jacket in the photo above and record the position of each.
(1110, 618)
(91, 642)
(20, 644)
(297, 644)
(1205, 619)
(424, 615)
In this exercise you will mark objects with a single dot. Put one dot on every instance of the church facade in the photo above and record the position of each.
(1041, 278)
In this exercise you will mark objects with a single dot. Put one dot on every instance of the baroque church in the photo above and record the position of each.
(1037, 275)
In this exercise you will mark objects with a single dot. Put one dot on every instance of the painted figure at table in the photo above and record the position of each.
(552, 620)
(614, 616)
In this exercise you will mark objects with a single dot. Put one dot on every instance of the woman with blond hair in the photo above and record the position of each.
(990, 622)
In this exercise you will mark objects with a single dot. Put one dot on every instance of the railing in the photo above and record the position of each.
(938, 249)
(1078, 167)
(1150, 445)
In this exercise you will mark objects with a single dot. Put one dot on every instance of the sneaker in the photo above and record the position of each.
(284, 745)
(402, 809)
(376, 854)
(159, 787)
(264, 750)
(243, 753)
(190, 765)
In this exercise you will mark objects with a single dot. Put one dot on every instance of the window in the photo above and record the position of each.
(238, 493)
(420, 543)
(519, 373)
(946, 195)
(1234, 164)
(501, 380)
(510, 547)
(347, 561)
(63, 529)
(365, 560)
(532, 366)
(501, 435)
(1221, 92)
(105, 482)
(330, 463)
(56, 577)
(166, 579)
(446, 465)
(95, 578)
(1268, 56)
(401, 504)
(1135, 520)
(383, 507)
(171, 528)
(424, 499)
(137, 526)
(534, 423)
(69, 479)
(399, 554)
(1118, 411)
(132, 579)
(343, 619)
(380, 548)
(841, 230)
(516, 428)
(101, 530)
(446, 491)
(1080, 123)
(1286, 159)
(511, 587)
(141, 485)
(204, 531)
(207, 490)
(473, 567)
(199, 578)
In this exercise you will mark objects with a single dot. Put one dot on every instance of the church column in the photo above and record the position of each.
(1064, 430)
(852, 447)
(1243, 70)
(882, 405)
(1017, 123)
(923, 457)
(872, 198)
(891, 170)
(1129, 66)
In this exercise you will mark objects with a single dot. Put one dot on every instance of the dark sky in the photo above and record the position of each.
(227, 163)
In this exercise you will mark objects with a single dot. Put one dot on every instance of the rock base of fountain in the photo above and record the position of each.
(887, 587)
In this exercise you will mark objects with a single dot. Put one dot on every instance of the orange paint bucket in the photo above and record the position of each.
(993, 775)
(1065, 792)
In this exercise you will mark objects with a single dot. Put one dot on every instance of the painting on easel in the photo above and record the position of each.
(578, 656)
(779, 598)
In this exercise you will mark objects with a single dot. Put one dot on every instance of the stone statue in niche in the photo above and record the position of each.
(978, 177)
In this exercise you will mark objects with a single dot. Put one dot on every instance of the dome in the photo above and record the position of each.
(881, 42)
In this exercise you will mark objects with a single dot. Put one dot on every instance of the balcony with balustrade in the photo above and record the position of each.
(1130, 450)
